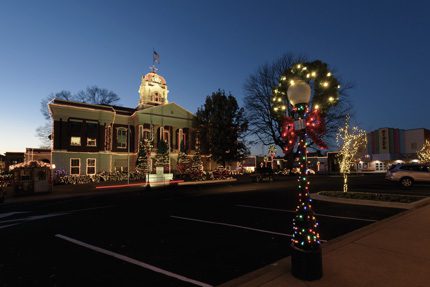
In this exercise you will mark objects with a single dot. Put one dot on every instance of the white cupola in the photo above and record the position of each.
(152, 91)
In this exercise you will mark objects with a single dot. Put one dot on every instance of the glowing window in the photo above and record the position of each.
(75, 141)
(91, 142)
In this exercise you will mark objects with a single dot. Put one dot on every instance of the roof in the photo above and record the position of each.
(118, 109)
(30, 164)
(149, 77)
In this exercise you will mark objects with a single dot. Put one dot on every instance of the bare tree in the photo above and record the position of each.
(265, 125)
(63, 95)
(96, 95)
(43, 133)
(92, 95)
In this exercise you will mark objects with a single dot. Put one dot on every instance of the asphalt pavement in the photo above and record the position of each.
(178, 236)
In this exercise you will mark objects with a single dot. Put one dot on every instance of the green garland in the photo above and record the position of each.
(325, 87)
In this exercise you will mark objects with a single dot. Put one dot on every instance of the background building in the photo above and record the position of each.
(388, 145)
(39, 154)
(11, 158)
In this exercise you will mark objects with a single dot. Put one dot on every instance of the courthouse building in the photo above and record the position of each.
(87, 138)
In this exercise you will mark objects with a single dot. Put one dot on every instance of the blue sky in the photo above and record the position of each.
(382, 47)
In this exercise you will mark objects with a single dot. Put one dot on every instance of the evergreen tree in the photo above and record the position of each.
(221, 124)
(196, 170)
(183, 160)
(142, 161)
(162, 157)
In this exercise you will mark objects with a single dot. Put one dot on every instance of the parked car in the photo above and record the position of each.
(408, 174)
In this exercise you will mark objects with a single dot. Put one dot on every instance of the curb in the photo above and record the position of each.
(207, 181)
(10, 200)
(280, 270)
(318, 196)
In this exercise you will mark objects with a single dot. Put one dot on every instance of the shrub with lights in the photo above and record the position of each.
(424, 152)
(303, 122)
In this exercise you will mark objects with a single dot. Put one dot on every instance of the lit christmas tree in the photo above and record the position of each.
(183, 161)
(162, 157)
(143, 156)
(196, 170)
(350, 141)
(424, 152)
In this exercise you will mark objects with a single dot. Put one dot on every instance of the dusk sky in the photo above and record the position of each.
(382, 47)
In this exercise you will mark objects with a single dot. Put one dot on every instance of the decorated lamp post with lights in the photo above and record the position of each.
(303, 122)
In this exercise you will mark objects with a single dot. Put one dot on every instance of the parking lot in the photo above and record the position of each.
(183, 236)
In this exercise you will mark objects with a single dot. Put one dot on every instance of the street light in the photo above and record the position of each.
(306, 258)
(52, 176)
(148, 157)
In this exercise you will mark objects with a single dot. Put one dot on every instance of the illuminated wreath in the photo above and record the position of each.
(325, 87)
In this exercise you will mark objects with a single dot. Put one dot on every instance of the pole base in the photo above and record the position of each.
(147, 187)
(306, 264)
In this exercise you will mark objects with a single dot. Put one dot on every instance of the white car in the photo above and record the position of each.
(408, 174)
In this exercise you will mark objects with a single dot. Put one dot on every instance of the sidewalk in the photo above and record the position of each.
(392, 252)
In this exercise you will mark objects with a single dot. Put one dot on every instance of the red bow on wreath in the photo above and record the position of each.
(315, 129)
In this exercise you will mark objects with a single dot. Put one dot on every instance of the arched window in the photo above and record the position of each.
(144, 133)
(165, 134)
(182, 139)
(121, 138)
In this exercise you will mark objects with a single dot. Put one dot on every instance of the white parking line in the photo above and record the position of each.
(3, 215)
(318, 214)
(90, 208)
(34, 217)
(9, 225)
(133, 261)
(231, 225)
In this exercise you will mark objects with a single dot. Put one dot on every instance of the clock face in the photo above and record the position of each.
(156, 79)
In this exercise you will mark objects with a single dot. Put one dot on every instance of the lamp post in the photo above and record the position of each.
(52, 176)
(148, 157)
(306, 258)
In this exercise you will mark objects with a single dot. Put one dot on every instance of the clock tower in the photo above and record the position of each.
(152, 91)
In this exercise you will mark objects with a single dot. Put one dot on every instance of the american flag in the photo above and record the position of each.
(155, 57)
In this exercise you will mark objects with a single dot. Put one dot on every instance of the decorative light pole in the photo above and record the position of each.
(306, 259)
(148, 157)
(302, 122)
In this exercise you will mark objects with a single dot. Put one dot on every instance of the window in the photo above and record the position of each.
(75, 141)
(75, 166)
(414, 146)
(75, 129)
(92, 133)
(165, 135)
(91, 142)
(380, 166)
(182, 139)
(144, 133)
(121, 138)
(91, 166)
(156, 97)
